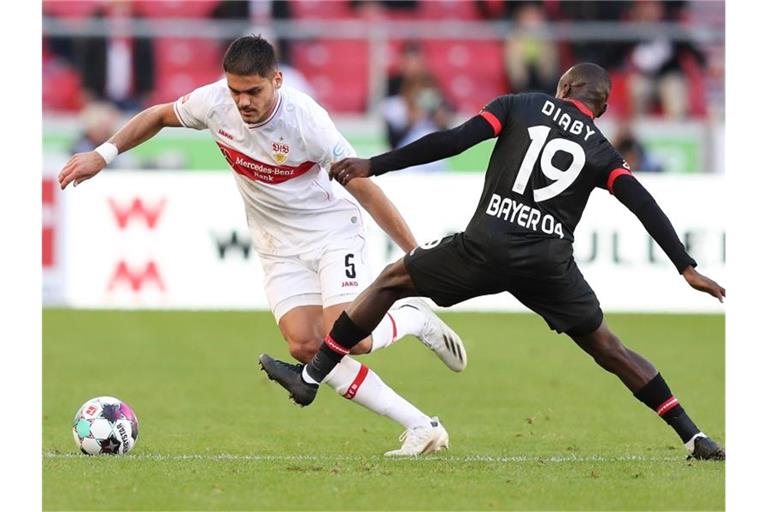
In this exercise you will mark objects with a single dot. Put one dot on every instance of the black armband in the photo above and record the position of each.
(433, 147)
(639, 201)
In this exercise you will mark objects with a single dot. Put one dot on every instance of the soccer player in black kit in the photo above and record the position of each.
(548, 158)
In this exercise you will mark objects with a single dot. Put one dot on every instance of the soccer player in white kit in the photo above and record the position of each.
(307, 232)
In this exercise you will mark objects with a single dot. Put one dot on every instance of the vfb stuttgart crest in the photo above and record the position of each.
(280, 151)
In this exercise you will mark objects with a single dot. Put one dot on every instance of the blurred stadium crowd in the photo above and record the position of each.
(414, 66)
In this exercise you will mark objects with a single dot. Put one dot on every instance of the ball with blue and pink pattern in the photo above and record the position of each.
(105, 425)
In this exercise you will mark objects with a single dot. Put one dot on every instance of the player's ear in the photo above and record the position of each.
(278, 79)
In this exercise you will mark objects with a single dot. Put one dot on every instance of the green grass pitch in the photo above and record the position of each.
(534, 423)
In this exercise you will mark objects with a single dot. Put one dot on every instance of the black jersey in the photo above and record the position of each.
(548, 157)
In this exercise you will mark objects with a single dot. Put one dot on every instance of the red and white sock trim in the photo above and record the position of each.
(359, 378)
(667, 405)
(335, 346)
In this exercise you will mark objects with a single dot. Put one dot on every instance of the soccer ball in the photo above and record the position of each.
(105, 425)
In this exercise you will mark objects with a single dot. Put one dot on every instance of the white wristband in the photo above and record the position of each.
(108, 151)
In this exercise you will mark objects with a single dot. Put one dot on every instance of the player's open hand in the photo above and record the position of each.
(81, 166)
(349, 168)
(703, 283)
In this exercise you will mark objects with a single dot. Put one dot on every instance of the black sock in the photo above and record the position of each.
(344, 335)
(657, 395)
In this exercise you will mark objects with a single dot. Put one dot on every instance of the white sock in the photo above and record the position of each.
(689, 444)
(355, 381)
(396, 325)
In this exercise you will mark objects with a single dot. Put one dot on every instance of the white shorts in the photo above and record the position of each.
(335, 274)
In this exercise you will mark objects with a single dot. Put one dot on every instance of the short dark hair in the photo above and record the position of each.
(250, 55)
(589, 82)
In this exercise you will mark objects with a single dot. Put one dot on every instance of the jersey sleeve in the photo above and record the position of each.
(610, 166)
(498, 113)
(324, 143)
(434, 146)
(640, 202)
(192, 109)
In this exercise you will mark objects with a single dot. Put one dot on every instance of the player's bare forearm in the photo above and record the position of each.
(386, 215)
(144, 125)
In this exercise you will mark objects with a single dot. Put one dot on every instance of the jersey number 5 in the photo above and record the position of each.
(561, 179)
(350, 266)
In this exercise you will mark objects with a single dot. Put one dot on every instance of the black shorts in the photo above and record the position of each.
(453, 270)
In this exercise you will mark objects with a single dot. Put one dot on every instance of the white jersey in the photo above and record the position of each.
(281, 167)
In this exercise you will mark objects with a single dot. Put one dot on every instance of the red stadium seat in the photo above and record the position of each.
(176, 53)
(448, 9)
(346, 96)
(71, 9)
(470, 73)
(697, 86)
(328, 9)
(182, 65)
(620, 102)
(174, 8)
(337, 70)
(62, 91)
(394, 53)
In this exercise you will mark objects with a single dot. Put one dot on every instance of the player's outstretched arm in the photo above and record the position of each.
(386, 215)
(640, 202)
(141, 127)
(430, 148)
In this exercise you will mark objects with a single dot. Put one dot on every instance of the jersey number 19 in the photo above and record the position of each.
(561, 178)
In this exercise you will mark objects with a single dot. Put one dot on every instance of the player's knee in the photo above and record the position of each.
(303, 349)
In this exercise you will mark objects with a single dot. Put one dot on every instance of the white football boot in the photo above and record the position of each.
(420, 440)
(436, 335)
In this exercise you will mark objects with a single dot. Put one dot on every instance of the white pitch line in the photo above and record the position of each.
(344, 458)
